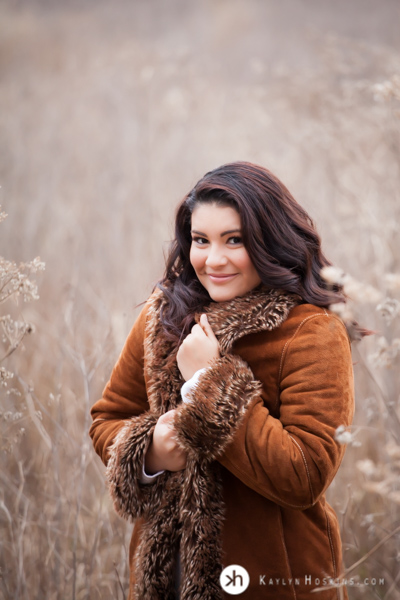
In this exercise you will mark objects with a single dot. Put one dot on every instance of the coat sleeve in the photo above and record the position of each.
(293, 459)
(123, 426)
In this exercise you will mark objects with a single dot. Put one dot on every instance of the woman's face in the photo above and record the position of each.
(218, 255)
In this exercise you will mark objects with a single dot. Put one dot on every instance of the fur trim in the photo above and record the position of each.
(202, 512)
(259, 310)
(218, 403)
(155, 559)
(187, 507)
(132, 498)
(160, 367)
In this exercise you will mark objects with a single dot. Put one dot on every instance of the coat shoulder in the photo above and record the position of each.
(319, 318)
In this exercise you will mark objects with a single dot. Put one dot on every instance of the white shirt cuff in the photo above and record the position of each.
(145, 478)
(189, 385)
(185, 389)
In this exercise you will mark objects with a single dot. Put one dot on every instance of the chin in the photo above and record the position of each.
(223, 295)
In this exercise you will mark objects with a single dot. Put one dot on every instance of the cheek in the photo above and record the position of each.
(195, 258)
(247, 269)
(244, 263)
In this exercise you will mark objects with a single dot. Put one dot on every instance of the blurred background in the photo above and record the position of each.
(109, 114)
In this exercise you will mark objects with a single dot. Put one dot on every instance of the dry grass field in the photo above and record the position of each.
(109, 113)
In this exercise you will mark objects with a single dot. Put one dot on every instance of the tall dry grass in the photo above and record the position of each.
(108, 116)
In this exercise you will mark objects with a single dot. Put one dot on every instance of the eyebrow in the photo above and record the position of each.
(222, 234)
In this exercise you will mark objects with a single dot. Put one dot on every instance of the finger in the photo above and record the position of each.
(167, 417)
(206, 326)
(196, 329)
(186, 339)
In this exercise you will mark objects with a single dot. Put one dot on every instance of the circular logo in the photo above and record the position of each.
(234, 580)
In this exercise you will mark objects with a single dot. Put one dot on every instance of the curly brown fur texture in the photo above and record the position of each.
(187, 507)
(202, 512)
(155, 560)
(217, 405)
(259, 310)
(131, 498)
(160, 367)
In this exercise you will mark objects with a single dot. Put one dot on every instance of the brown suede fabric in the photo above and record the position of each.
(259, 433)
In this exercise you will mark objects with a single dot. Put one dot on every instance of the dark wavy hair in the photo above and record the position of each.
(277, 232)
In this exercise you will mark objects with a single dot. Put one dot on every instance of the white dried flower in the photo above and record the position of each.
(366, 466)
(382, 91)
(392, 281)
(343, 310)
(16, 416)
(14, 392)
(356, 290)
(387, 89)
(360, 292)
(36, 265)
(14, 331)
(389, 309)
(7, 416)
(4, 376)
(53, 398)
(385, 353)
(371, 409)
(344, 436)
(14, 279)
(367, 520)
(333, 275)
(377, 487)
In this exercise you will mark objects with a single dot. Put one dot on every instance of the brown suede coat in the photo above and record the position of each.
(259, 433)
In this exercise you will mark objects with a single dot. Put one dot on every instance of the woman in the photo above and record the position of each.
(231, 471)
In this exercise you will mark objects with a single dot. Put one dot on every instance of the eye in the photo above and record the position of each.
(199, 240)
(235, 239)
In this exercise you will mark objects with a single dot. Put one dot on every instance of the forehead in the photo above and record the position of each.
(212, 217)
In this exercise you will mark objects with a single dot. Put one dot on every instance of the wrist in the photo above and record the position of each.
(152, 463)
(190, 384)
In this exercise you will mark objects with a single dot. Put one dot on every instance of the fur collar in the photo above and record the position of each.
(259, 310)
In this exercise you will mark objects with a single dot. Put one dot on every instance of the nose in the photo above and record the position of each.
(216, 257)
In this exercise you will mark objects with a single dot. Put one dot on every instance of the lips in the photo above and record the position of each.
(221, 278)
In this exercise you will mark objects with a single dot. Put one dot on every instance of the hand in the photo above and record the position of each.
(197, 349)
(164, 452)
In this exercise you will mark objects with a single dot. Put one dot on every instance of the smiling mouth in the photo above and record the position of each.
(221, 278)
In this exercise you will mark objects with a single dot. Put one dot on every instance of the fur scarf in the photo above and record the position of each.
(184, 511)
